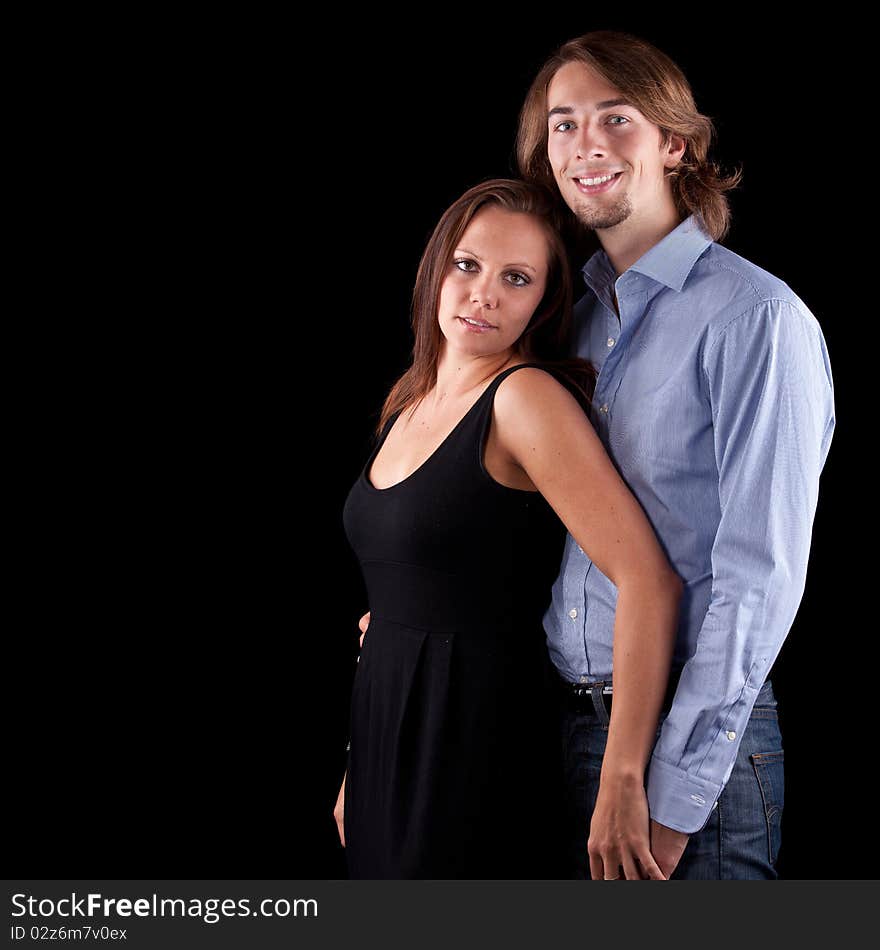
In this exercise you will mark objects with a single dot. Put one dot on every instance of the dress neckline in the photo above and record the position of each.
(390, 425)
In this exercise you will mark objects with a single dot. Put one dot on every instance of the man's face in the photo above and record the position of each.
(606, 156)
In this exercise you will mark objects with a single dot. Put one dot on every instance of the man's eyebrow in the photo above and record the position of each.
(560, 110)
(464, 250)
(607, 104)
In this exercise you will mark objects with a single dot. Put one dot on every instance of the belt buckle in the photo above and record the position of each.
(586, 689)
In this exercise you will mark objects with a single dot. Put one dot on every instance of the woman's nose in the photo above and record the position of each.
(484, 297)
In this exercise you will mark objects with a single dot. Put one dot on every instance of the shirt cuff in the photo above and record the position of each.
(678, 800)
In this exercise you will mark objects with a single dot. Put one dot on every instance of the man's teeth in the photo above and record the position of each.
(595, 181)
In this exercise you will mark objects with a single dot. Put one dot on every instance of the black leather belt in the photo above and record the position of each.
(578, 697)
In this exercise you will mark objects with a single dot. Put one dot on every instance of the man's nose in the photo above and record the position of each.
(590, 142)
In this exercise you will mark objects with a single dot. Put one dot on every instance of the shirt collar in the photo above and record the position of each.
(669, 261)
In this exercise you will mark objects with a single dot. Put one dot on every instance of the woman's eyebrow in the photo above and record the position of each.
(464, 250)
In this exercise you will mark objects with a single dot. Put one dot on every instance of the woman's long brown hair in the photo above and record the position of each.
(546, 339)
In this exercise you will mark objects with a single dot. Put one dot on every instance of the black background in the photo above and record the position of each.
(186, 717)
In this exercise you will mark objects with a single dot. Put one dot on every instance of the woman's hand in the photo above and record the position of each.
(339, 811)
(620, 835)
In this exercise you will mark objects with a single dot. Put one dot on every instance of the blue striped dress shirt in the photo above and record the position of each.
(715, 401)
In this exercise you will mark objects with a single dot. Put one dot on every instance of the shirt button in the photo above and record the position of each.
(610, 342)
(583, 679)
(573, 613)
(604, 408)
(731, 736)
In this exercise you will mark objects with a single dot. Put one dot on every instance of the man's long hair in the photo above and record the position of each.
(652, 82)
(547, 337)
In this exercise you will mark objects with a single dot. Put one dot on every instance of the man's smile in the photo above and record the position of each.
(596, 184)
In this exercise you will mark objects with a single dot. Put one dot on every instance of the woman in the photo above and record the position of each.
(483, 447)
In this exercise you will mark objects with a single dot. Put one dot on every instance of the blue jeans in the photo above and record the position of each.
(742, 837)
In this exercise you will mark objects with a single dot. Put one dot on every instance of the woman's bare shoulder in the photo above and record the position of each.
(534, 392)
(535, 415)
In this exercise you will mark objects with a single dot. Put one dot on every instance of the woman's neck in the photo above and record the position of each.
(459, 375)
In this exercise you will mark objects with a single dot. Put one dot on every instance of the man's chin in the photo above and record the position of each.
(602, 219)
(602, 223)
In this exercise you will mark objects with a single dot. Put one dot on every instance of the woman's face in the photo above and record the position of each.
(494, 283)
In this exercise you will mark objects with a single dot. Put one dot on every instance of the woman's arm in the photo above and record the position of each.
(540, 424)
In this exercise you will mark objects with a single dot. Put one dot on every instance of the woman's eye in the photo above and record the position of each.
(467, 266)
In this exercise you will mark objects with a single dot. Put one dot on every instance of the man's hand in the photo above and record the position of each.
(363, 623)
(667, 846)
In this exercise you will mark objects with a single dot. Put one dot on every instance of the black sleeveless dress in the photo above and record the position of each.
(453, 768)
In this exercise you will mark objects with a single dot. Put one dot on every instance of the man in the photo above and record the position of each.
(715, 400)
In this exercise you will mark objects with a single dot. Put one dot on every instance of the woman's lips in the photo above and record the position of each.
(480, 327)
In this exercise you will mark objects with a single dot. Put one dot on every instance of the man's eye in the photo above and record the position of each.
(559, 128)
(622, 118)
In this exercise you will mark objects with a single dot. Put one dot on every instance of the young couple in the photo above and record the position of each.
(629, 730)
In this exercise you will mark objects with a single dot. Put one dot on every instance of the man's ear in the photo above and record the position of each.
(674, 149)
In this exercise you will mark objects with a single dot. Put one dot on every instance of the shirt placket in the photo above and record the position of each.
(617, 335)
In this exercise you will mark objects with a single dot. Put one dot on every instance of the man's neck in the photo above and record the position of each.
(633, 238)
